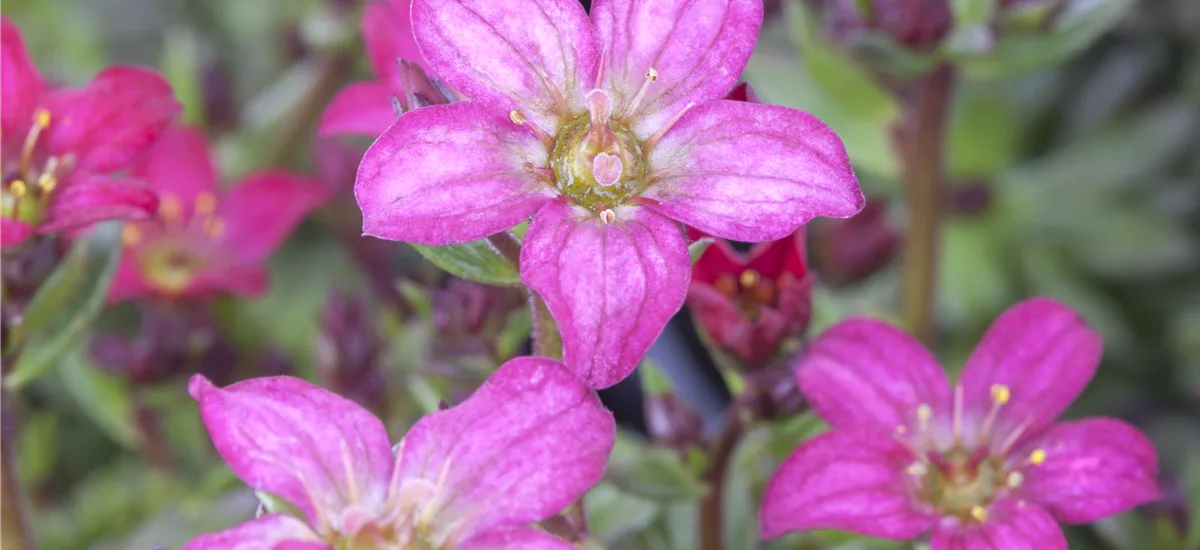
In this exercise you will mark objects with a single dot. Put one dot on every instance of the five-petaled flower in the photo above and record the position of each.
(529, 442)
(982, 465)
(206, 240)
(608, 132)
(60, 147)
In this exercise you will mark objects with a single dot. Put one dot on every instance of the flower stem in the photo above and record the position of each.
(298, 127)
(15, 530)
(547, 341)
(712, 507)
(921, 141)
(508, 246)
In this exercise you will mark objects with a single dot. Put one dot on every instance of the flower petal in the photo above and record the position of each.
(787, 255)
(515, 538)
(718, 259)
(1011, 525)
(542, 62)
(249, 281)
(362, 108)
(288, 437)
(852, 481)
(179, 165)
(263, 210)
(89, 198)
(751, 172)
(13, 232)
(388, 35)
(448, 174)
(866, 374)
(1094, 468)
(113, 119)
(129, 281)
(1043, 352)
(270, 532)
(611, 287)
(698, 50)
(531, 440)
(21, 86)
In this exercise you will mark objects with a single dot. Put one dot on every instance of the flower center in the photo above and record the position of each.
(28, 185)
(172, 257)
(751, 291)
(597, 160)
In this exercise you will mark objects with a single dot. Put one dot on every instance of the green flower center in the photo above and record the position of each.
(576, 167)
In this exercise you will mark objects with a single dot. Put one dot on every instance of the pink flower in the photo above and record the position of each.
(529, 442)
(609, 132)
(365, 108)
(206, 239)
(749, 304)
(61, 147)
(982, 465)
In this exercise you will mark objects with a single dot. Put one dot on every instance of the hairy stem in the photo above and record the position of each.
(921, 142)
(15, 530)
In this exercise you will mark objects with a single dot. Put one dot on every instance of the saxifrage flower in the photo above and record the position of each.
(207, 239)
(982, 465)
(526, 444)
(609, 132)
(61, 147)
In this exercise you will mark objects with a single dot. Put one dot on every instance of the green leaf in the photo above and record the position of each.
(612, 514)
(983, 134)
(180, 62)
(657, 474)
(696, 249)
(66, 303)
(974, 283)
(103, 398)
(654, 380)
(270, 503)
(476, 261)
(37, 447)
(972, 12)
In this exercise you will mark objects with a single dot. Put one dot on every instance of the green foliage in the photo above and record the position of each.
(476, 261)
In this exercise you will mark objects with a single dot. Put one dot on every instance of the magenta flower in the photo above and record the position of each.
(529, 442)
(61, 147)
(206, 239)
(982, 465)
(609, 132)
(365, 108)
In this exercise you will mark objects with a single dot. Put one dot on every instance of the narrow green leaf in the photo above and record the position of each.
(612, 514)
(654, 380)
(696, 249)
(476, 261)
(61, 315)
(180, 62)
(103, 398)
(657, 474)
(270, 503)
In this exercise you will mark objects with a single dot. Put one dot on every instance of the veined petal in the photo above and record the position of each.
(388, 35)
(531, 440)
(610, 287)
(113, 119)
(866, 374)
(179, 165)
(852, 481)
(1043, 352)
(539, 56)
(270, 532)
(751, 172)
(286, 436)
(261, 211)
(1011, 525)
(21, 86)
(89, 198)
(1094, 468)
(362, 108)
(515, 538)
(698, 49)
(448, 174)
(13, 232)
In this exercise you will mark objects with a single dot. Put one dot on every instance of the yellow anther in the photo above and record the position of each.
(652, 75)
(607, 216)
(979, 513)
(47, 182)
(749, 278)
(168, 207)
(1001, 394)
(1014, 480)
(1037, 457)
(206, 203)
(924, 412)
(41, 117)
(17, 188)
(214, 226)
(131, 235)
(517, 117)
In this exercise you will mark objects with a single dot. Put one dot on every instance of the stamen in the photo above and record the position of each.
(206, 203)
(213, 226)
(130, 235)
(653, 139)
(519, 119)
(607, 216)
(726, 285)
(956, 429)
(323, 525)
(1013, 437)
(47, 182)
(917, 469)
(1000, 396)
(979, 513)
(348, 468)
(168, 207)
(924, 413)
(606, 169)
(1014, 480)
(651, 76)
(41, 121)
(17, 188)
(1037, 457)
(749, 278)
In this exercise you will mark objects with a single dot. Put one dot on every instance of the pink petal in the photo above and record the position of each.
(448, 174)
(89, 198)
(1011, 525)
(113, 119)
(611, 287)
(362, 108)
(515, 538)
(1094, 468)
(13, 232)
(21, 85)
(786, 255)
(698, 50)
(270, 532)
(852, 481)
(129, 282)
(539, 56)
(250, 281)
(179, 165)
(752, 172)
(388, 35)
(718, 259)
(288, 437)
(262, 211)
(867, 374)
(531, 440)
(1044, 352)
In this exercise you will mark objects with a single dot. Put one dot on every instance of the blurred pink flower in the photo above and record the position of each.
(61, 146)
(609, 132)
(982, 465)
(529, 442)
(206, 239)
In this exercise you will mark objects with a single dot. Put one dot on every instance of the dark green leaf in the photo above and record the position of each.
(103, 398)
(476, 260)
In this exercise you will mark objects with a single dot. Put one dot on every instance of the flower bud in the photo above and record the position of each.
(170, 342)
(914, 24)
(348, 351)
(850, 250)
(672, 422)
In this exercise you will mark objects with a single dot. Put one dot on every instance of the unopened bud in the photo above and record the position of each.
(672, 421)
